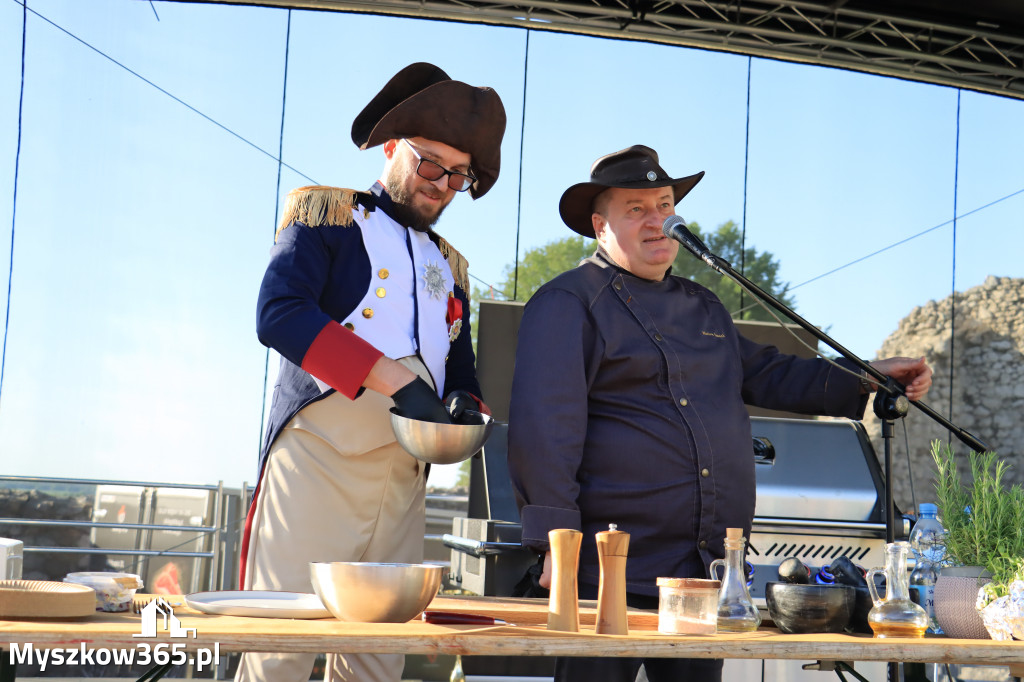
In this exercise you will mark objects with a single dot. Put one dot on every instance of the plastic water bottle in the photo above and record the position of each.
(928, 541)
(928, 537)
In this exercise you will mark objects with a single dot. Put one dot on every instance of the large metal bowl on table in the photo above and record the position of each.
(364, 592)
(441, 443)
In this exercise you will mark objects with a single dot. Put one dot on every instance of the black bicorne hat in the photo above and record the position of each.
(421, 100)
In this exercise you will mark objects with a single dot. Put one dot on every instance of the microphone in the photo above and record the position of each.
(675, 228)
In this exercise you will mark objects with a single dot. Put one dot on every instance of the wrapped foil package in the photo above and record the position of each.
(1004, 616)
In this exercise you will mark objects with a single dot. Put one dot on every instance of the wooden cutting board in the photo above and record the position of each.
(532, 611)
(45, 599)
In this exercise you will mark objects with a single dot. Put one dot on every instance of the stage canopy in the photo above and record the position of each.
(978, 45)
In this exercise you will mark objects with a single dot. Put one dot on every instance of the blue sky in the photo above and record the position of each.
(143, 228)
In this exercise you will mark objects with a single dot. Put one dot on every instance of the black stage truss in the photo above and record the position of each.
(972, 44)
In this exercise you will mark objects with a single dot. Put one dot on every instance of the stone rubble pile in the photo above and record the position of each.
(982, 331)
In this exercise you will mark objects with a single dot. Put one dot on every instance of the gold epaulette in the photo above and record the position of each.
(457, 262)
(317, 205)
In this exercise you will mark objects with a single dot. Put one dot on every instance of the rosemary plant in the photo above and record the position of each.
(983, 519)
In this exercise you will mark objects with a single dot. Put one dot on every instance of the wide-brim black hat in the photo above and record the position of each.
(633, 168)
(421, 100)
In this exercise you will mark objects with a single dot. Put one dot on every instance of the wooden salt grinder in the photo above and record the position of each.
(612, 547)
(563, 604)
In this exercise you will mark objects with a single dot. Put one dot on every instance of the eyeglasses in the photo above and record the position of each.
(430, 170)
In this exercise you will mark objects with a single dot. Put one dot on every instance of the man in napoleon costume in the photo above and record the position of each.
(368, 308)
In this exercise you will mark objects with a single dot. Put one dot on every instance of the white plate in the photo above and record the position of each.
(258, 604)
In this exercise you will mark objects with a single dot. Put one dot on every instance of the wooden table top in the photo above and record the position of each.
(525, 636)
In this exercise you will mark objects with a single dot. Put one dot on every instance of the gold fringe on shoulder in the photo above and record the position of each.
(317, 205)
(456, 261)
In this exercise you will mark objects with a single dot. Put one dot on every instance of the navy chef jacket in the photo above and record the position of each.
(628, 408)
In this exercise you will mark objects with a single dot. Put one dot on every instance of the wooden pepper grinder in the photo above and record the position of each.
(563, 604)
(612, 547)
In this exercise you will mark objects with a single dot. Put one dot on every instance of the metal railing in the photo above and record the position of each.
(219, 534)
(214, 541)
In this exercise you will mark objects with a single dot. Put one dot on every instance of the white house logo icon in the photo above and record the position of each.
(171, 622)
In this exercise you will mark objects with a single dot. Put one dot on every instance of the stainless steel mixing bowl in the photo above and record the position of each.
(440, 443)
(362, 592)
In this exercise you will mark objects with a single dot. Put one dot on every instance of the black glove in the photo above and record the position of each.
(458, 402)
(529, 584)
(417, 400)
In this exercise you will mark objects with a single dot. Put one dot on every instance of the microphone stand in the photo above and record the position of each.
(890, 401)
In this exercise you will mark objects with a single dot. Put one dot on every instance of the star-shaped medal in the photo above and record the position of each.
(433, 280)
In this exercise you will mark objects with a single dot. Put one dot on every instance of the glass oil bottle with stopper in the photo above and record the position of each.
(895, 615)
(736, 610)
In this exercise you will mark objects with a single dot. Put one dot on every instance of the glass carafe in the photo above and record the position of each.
(736, 610)
(895, 615)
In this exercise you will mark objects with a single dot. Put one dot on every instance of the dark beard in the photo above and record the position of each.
(403, 210)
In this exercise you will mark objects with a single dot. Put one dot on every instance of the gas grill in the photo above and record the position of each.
(820, 495)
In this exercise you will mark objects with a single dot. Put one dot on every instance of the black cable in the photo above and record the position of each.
(778, 320)
(890, 246)
(280, 139)
(277, 209)
(746, 167)
(14, 203)
(843, 665)
(175, 98)
(907, 239)
(906, 444)
(486, 284)
(522, 137)
(952, 297)
(153, 7)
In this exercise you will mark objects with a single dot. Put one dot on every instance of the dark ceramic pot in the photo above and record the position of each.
(862, 604)
(799, 609)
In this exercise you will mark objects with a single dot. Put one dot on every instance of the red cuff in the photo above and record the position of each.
(340, 359)
(481, 406)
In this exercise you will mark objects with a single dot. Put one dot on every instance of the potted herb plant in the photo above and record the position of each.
(984, 545)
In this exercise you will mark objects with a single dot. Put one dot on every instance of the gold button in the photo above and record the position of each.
(703, 544)
(349, 326)
(617, 285)
(705, 473)
(383, 273)
(367, 313)
(380, 292)
(684, 402)
(657, 337)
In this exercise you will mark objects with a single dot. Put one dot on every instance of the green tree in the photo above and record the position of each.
(760, 268)
(543, 263)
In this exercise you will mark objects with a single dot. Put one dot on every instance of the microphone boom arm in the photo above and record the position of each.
(885, 383)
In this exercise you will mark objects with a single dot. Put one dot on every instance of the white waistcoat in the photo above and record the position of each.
(408, 280)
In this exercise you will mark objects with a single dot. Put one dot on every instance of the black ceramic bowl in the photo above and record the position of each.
(861, 607)
(799, 609)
